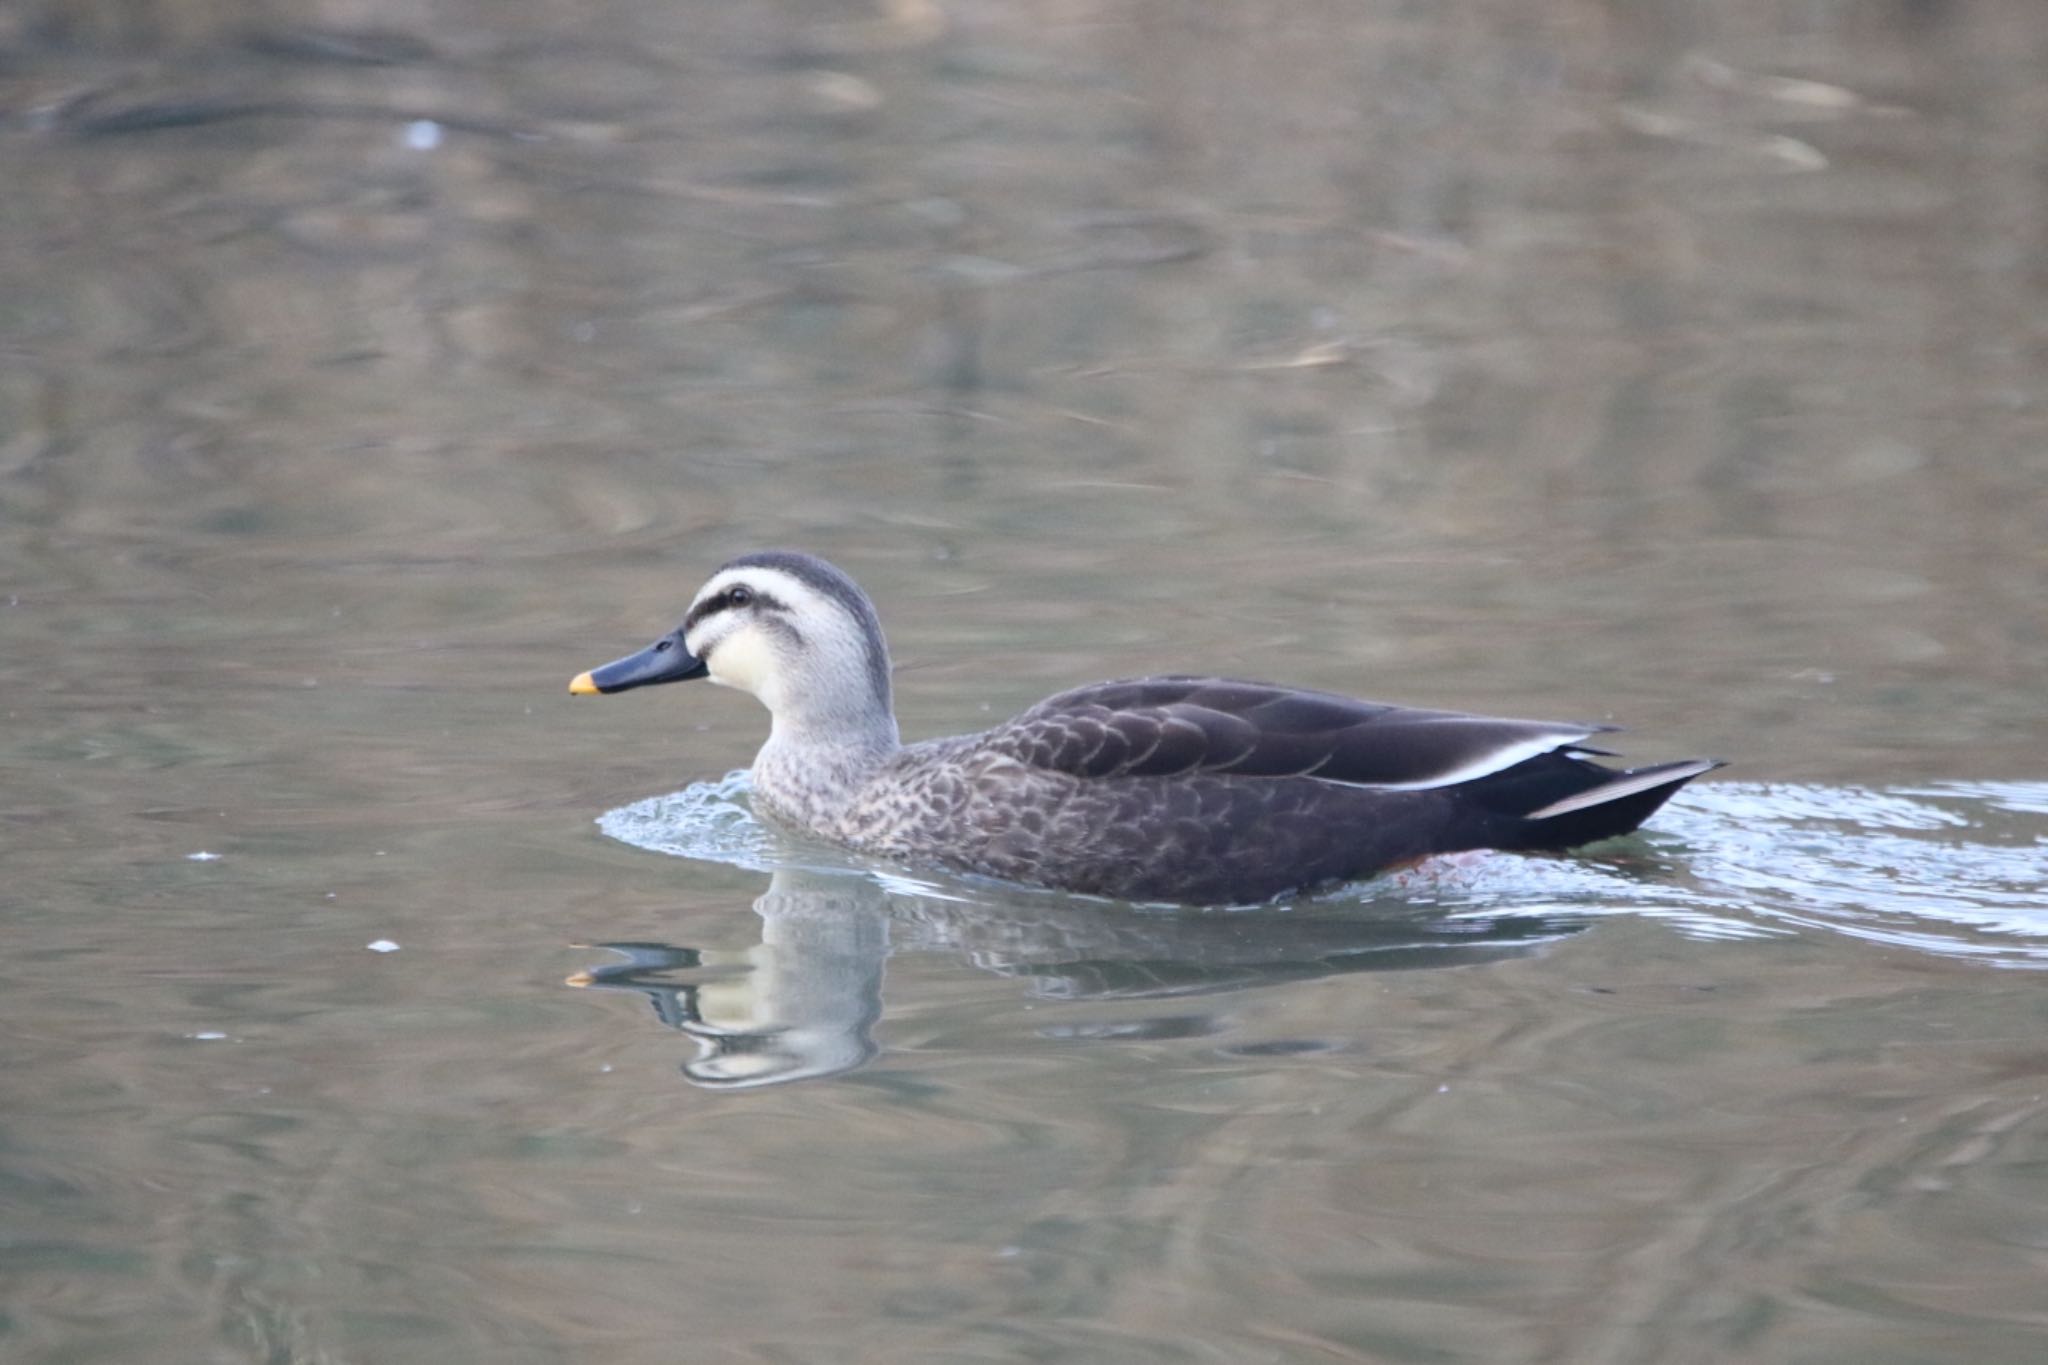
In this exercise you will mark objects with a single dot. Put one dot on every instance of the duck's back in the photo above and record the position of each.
(1209, 790)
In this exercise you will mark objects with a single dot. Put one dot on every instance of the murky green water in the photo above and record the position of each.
(360, 384)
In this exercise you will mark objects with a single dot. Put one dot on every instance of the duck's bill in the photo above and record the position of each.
(664, 661)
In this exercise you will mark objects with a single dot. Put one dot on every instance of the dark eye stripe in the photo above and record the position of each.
(736, 597)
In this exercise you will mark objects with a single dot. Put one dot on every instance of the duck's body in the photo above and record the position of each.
(1189, 789)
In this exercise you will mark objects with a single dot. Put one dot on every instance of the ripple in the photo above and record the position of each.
(1956, 868)
(709, 821)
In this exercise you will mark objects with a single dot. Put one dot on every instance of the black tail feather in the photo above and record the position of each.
(1556, 801)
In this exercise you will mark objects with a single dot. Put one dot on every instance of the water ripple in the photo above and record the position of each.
(1956, 869)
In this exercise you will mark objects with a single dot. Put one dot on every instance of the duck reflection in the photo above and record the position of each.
(802, 1003)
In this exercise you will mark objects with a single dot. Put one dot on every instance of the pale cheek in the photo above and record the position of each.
(742, 661)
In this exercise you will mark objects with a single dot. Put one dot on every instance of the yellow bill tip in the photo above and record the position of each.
(582, 685)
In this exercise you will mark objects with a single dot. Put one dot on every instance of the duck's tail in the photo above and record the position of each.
(1558, 801)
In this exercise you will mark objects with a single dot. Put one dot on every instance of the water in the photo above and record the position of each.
(1950, 870)
(358, 387)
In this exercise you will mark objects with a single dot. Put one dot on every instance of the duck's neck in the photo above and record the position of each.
(811, 772)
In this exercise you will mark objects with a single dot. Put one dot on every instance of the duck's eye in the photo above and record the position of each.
(738, 596)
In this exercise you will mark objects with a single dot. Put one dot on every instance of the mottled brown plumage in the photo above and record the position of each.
(1188, 789)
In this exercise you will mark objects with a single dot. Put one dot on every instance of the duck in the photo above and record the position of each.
(1178, 789)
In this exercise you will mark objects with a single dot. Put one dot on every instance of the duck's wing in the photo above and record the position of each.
(1160, 727)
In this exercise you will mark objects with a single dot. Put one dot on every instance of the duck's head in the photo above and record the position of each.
(787, 627)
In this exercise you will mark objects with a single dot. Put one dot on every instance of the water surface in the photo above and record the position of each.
(363, 384)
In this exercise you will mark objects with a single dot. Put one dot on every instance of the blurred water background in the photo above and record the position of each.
(367, 369)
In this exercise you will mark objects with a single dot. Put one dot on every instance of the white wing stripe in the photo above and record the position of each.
(1498, 759)
(1615, 791)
